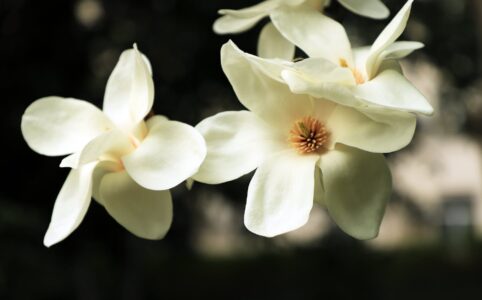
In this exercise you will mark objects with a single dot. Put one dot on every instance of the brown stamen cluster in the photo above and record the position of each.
(308, 135)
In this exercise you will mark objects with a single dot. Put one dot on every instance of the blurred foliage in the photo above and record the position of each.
(49, 48)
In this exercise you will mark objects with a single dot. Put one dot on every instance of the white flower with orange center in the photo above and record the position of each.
(305, 149)
(360, 77)
(126, 163)
(271, 44)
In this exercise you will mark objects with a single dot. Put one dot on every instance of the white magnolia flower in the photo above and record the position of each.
(127, 164)
(304, 150)
(271, 44)
(368, 76)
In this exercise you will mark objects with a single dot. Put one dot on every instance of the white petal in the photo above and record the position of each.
(392, 90)
(237, 142)
(145, 213)
(171, 152)
(271, 44)
(319, 70)
(129, 93)
(339, 93)
(380, 131)
(71, 205)
(108, 146)
(103, 168)
(316, 34)
(400, 49)
(393, 30)
(280, 195)
(58, 126)
(369, 8)
(357, 187)
(231, 24)
(268, 98)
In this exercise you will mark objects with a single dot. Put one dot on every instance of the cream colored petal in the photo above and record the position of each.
(339, 93)
(231, 24)
(171, 152)
(379, 131)
(319, 192)
(268, 98)
(103, 168)
(108, 146)
(71, 205)
(392, 90)
(357, 189)
(280, 195)
(237, 142)
(58, 126)
(316, 34)
(393, 30)
(400, 49)
(368, 8)
(319, 70)
(271, 44)
(129, 93)
(145, 213)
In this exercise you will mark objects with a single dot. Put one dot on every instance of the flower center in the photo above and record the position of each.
(309, 135)
(358, 76)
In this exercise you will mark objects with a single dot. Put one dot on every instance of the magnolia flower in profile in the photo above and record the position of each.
(360, 77)
(305, 149)
(271, 44)
(126, 163)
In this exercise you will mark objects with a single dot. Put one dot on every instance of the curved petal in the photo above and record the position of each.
(237, 142)
(319, 70)
(368, 8)
(58, 126)
(371, 130)
(71, 205)
(145, 213)
(129, 93)
(393, 30)
(271, 44)
(268, 98)
(111, 146)
(339, 93)
(316, 34)
(171, 152)
(103, 168)
(231, 24)
(357, 188)
(392, 90)
(281, 193)
(400, 49)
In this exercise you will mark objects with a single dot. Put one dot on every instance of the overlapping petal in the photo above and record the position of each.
(357, 187)
(268, 98)
(371, 130)
(393, 30)
(237, 142)
(58, 126)
(280, 195)
(271, 44)
(129, 93)
(71, 204)
(369, 8)
(170, 153)
(145, 213)
(316, 34)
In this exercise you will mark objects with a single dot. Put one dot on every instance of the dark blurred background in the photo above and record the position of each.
(429, 246)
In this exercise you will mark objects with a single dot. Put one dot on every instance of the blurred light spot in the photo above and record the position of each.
(89, 12)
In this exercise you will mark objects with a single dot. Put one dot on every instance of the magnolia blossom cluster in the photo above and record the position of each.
(314, 129)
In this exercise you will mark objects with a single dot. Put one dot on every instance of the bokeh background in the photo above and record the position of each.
(430, 242)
